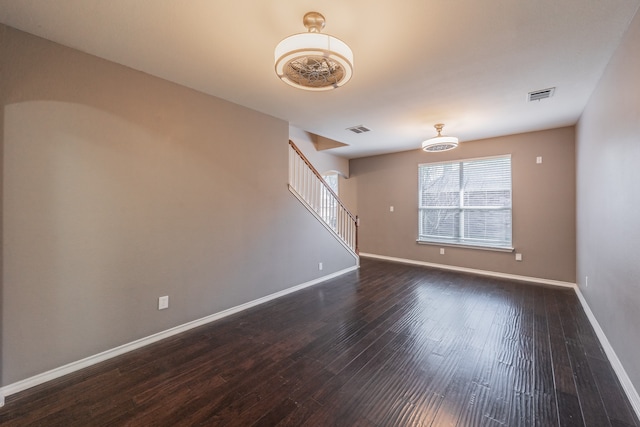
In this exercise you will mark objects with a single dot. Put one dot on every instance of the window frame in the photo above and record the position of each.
(460, 241)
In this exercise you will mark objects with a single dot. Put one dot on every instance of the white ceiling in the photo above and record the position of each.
(466, 63)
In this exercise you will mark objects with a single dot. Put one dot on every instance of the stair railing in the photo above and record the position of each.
(309, 186)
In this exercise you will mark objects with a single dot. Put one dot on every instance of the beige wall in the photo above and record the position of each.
(118, 188)
(348, 193)
(3, 35)
(608, 202)
(323, 161)
(543, 205)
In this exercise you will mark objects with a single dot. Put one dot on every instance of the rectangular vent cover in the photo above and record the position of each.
(541, 94)
(359, 129)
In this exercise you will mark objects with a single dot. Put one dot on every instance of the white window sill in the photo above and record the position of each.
(466, 246)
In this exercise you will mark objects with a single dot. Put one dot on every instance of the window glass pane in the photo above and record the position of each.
(495, 198)
(440, 185)
(487, 174)
(329, 205)
(442, 199)
(488, 225)
(442, 223)
(332, 181)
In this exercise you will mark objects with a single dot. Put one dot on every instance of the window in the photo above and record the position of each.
(329, 211)
(332, 181)
(466, 202)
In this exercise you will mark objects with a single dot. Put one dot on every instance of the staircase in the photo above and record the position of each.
(306, 183)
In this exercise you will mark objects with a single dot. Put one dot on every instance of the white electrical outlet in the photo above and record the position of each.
(441, 251)
(539, 160)
(518, 257)
(319, 266)
(163, 302)
(390, 208)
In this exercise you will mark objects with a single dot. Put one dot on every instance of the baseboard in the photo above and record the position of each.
(117, 351)
(474, 271)
(627, 385)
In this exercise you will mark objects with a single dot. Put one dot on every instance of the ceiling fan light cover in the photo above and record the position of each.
(440, 143)
(314, 61)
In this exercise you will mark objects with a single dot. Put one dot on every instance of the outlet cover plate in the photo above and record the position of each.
(163, 302)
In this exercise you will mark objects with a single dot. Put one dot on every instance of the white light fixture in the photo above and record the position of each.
(313, 61)
(440, 143)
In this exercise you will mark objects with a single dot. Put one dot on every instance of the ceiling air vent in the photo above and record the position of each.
(541, 94)
(359, 129)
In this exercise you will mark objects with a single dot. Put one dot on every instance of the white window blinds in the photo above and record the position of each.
(466, 202)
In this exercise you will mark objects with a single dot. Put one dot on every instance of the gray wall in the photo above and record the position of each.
(118, 188)
(543, 205)
(608, 202)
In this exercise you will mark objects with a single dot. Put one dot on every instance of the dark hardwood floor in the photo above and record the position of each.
(389, 345)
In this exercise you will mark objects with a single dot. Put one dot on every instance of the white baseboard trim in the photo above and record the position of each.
(117, 351)
(627, 385)
(474, 271)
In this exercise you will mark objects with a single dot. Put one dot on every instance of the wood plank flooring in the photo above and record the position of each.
(389, 345)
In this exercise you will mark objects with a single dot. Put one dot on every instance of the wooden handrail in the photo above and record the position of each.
(324, 183)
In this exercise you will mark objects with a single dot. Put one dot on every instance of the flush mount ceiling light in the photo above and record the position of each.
(440, 143)
(314, 61)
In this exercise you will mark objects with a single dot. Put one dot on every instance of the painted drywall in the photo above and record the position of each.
(119, 188)
(543, 205)
(3, 32)
(608, 202)
(348, 193)
(323, 161)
